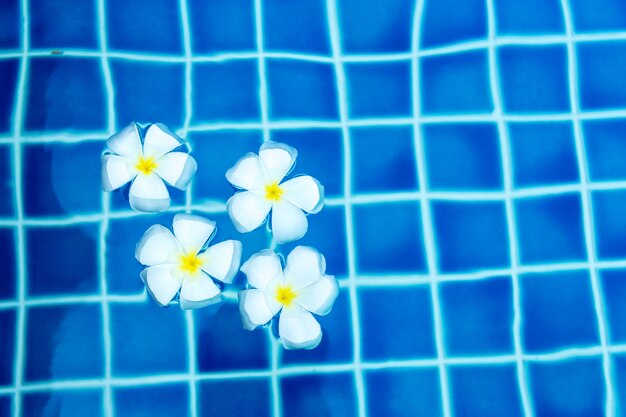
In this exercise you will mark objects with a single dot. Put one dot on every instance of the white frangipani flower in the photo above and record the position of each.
(301, 289)
(260, 177)
(178, 262)
(147, 165)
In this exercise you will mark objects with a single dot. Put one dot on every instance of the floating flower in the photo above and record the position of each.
(147, 165)
(260, 177)
(300, 290)
(178, 262)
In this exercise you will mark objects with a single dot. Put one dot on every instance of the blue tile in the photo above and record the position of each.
(573, 388)
(393, 392)
(8, 264)
(6, 406)
(136, 25)
(7, 185)
(399, 323)
(62, 260)
(147, 339)
(619, 372)
(301, 90)
(8, 85)
(226, 91)
(449, 21)
(149, 92)
(319, 395)
(378, 89)
(59, 25)
(598, 15)
(383, 159)
(373, 26)
(543, 153)
(533, 79)
(65, 94)
(320, 154)
(235, 398)
(528, 17)
(230, 146)
(63, 403)
(335, 346)
(548, 303)
(154, 401)
(470, 236)
(51, 184)
(223, 344)
(64, 342)
(331, 221)
(222, 26)
(613, 285)
(600, 68)
(610, 223)
(462, 156)
(10, 25)
(456, 83)
(477, 317)
(295, 26)
(484, 391)
(550, 229)
(388, 238)
(8, 319)
(604, 146)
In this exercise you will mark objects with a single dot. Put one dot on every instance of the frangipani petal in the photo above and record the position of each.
(247, 210)
(254, 309)
(159, 140)
(157, 246)
(148, 193)
(320, 296)
(116, 171)
(192, 232)
(288, 222)
(278, 159)
(304, 192)
(162, 284)
(222, 260)
(199, 291)
(248, 173)
(298, 329)
(305, 265)
(262, 267)
(177, 168)
(126, 142)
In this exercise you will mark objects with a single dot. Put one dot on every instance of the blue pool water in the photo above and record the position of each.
(473, 154)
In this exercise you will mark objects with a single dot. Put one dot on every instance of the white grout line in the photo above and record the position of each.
(507, 169)
(587, 209)
(425, 213)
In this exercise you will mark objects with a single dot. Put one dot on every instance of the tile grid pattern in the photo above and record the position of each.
(423, 196)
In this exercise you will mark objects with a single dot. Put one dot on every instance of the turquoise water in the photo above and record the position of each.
(473, 159)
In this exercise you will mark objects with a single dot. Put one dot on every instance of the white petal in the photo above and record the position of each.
(159, 140)
(278, 159)
(320, 296)
(116, 171)
(161, 283)
(192, 232)
(304, 192)
(198, 292)
(305, 265)
(247, 173)
(288, 222)
(261, 268)
(148, 193)
(126, 142)
(222, 260)
(247, 210)
(298, 329)
(254, 309)
(177, 168)
(157, 246)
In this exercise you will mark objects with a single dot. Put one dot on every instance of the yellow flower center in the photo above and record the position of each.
(273, 192)
(285, 295)
(145, 165)
(190, 263)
